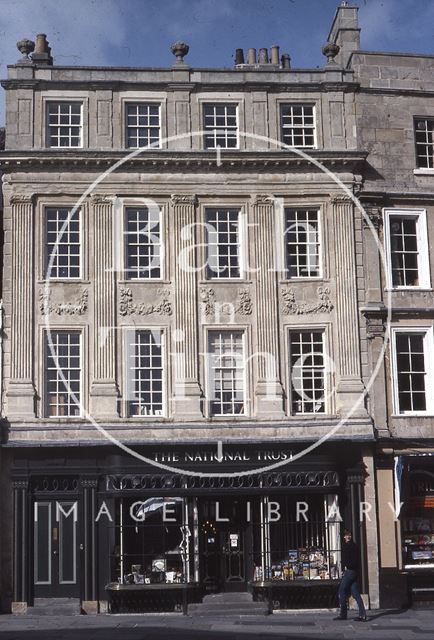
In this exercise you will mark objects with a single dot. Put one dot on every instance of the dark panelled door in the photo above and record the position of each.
(55, 549)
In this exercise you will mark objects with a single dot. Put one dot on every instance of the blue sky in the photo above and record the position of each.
(139, 32)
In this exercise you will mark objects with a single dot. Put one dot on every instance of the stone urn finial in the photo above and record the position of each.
(331, 50)
(25, 47)
(179, 49)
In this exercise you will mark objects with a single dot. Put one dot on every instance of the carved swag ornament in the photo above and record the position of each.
(128, 307)
(77, 308)
(243, 305)
(292, 307)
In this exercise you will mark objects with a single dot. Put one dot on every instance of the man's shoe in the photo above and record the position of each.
(361, 619)
(340, 618)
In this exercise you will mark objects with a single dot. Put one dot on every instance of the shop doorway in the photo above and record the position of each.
(55, 544)
(225, 542)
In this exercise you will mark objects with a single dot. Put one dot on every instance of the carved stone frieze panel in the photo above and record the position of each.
(127, 305)
(292, 307)
(183, 199)
(243, 304)
(76, 308)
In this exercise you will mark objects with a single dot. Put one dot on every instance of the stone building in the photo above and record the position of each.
(394, 120)
(193, 311)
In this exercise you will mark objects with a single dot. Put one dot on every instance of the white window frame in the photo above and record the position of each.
(46, 352)
(142, 204)
(327, 399)
(52, 101)
(422, 241)
(208, 103)
(316, 209)
(209, 379)
(139, 103)
(46, 254)
(428, 348)
(429, 120)
(287, 103)
(242, 232)
(127, 343)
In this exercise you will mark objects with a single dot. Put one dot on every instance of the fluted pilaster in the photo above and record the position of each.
(104, 391)
(21, 390)
(350, 384)
(269, 392)
(185, 348)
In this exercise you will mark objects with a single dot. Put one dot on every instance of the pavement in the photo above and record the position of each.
(284, 625)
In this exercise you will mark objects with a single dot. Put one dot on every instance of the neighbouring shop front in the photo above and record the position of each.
(415, 476)
(125, 536)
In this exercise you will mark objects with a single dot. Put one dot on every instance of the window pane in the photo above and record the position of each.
(226, 372)
(143, 243)
(62, 374)
(223, 243)
(142, 125)
(220, 125)
(411, 373)
(302, 243)
(64, 124)
(62, 246)
(145, 373)
(307, 371)
(298, 125)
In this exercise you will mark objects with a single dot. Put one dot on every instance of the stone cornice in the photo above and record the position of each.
(274, 161)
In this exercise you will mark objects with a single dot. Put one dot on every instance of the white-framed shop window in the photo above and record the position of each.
(297, 122)
(63, 251)
(63, 374)
(307, 371)
(142, 125)
(145, 372)
(226, 372)
(413, 370)
(302, 235)
(64, 124)
(220, 124)
(143, 242)
(224, 235)
(406, 249)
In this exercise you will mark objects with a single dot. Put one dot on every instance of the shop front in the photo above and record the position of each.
(121, 536)
(417, 525)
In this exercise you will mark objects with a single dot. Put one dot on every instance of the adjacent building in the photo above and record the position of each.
(194, 306)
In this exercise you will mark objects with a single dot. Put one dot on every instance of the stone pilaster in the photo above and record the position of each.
(350, 385)
(21, 391)
(187, 391)
(269, 393)
(104, 391)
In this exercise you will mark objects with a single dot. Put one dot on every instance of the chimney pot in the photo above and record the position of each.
(286, 61)
(42, 53)
(263, 56)
(239, 56)
(275, 54)
(41, 43)
(251, 56)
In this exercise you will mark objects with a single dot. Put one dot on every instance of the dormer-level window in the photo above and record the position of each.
(298, 125)
(64, 125)
(423, 133)
(220, 123)
(142, 125)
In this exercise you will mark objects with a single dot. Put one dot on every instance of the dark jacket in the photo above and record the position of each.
(350, 556)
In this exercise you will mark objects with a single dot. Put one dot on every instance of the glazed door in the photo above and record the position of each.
(233, 559)
(224, 544)
(55, 549)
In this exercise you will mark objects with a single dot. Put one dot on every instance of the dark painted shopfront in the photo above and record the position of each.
(121, 534)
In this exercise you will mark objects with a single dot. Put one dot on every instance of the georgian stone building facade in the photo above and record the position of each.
(193, 302)
(394, 120)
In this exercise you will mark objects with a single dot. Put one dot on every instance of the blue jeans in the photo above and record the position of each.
(349, 585)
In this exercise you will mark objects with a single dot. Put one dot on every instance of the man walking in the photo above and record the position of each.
(350, 567)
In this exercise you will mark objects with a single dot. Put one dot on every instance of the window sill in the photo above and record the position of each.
(63, 281)
(412, 415)
(423, 172)
(214, 281)
(140, 281)
(418, 289)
